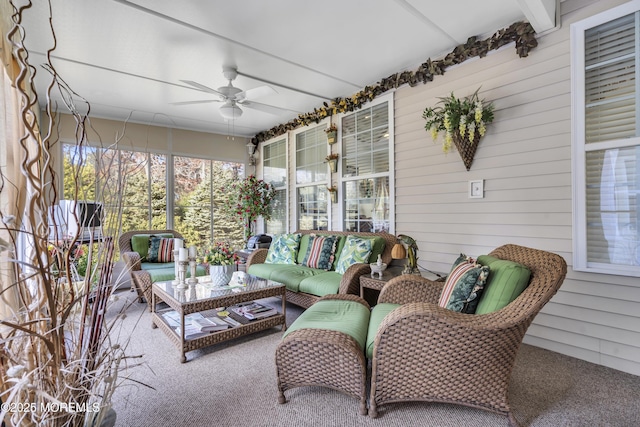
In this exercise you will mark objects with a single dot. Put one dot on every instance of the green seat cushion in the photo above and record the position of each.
(155, 265)
(140, 243)
(377, 314)
(293, 275)
(348, 317)
(321, 284)
(265, 270)
(507, 280)
(168, 273)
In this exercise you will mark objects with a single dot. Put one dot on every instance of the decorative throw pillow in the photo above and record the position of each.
(160, 249)
(320, 252)
(355, 250)
(283, 249)
(506, 282)
(464, 285)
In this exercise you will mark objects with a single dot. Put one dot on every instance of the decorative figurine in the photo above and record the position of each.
(412, 260)
(378, 267)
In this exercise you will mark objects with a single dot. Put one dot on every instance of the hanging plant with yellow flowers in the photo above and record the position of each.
(463, 122)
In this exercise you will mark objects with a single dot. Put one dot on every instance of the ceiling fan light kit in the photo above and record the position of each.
(230, 111)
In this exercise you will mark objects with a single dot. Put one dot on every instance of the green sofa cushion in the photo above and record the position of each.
(140, 243)
(322, 284)
(265, 270)
(348, 317)
(507, 280)
(378, 313)
(168, 273)
(284, 249)
(292, 276)
(155, 265)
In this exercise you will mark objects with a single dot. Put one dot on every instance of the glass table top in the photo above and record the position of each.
(206, 290)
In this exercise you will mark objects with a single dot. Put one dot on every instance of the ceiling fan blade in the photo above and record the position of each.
(271, 109)
(201, 87)
(204, 101)
(256, 92)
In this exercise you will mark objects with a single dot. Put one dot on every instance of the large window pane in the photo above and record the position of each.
(613, 180)
(312, 178)
(312, 208)
(275, 173)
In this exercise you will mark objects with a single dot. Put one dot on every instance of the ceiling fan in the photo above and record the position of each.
(232, 97)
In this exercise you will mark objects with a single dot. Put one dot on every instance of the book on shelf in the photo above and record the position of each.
(210, 324)
(253, 310)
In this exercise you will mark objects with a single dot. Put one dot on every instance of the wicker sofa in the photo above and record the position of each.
(319, 283)
(423, 352)
(144, 274)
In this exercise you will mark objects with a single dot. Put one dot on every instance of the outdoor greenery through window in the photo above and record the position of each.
(197, 185)
(365, 171)
(607, 144)
(312, 179)
(275, 173)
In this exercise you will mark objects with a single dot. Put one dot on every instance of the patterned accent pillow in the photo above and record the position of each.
(355, 250)
(160, 249)
(320, 252)
(283, 249)
(464, 285)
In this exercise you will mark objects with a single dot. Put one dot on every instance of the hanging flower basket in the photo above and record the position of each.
(463, 122)
(332, 134)
(466, 147)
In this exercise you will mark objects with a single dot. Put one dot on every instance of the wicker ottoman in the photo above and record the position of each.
(328, 356)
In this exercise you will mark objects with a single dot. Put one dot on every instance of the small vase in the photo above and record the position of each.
(220, 274)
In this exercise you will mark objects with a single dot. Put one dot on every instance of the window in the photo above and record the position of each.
(312, 179)
(606, 145)
(198, 187)
(274, 163)
(366, 175)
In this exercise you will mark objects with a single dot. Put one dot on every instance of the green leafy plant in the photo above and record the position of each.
(465, 119)
(251, 198)
(221, 253)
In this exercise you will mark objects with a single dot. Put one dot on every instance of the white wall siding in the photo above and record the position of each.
(525, 160)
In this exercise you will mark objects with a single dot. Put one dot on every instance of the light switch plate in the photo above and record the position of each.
(476, 189)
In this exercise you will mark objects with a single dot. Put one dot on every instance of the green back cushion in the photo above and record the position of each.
(348, 317)
(378, 313)
(507, 280)
(140, 243)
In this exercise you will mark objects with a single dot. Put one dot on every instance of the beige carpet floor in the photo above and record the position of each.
(234, 384)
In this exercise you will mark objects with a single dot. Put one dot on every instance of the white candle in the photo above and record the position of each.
(177, 243)
(192, 252)
(182, 254)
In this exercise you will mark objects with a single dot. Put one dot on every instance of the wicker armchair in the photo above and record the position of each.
(423, 352)
(140, 279)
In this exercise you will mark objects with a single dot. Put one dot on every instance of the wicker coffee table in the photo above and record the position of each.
(200, 297)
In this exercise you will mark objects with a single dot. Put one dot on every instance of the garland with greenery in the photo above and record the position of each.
(522, 33)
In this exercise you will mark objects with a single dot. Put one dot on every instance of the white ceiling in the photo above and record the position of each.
(130, 57)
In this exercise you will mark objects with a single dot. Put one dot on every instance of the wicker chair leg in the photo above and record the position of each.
(513, 422)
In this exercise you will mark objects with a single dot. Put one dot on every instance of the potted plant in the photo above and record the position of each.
(220, 258)
(251, 198)
(332, 133)
(333, 192)
(332, 160)
(463, 122)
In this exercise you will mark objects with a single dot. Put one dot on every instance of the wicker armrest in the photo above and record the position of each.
(346, 297)
(132, 260)
(350, 283)
(258, 256)
(410, 288)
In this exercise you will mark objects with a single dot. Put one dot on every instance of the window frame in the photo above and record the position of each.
(285, 140)
(578, 144)
(294, 178)
(389, 99)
